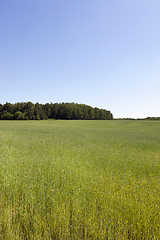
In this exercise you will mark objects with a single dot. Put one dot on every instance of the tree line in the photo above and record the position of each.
(140, 119)
(31, 111)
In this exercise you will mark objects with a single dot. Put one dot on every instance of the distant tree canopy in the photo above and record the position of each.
(31, 111)
(139, 119)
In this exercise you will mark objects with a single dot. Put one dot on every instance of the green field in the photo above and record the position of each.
(80, 179)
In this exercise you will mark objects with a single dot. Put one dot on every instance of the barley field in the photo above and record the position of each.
(79, 180)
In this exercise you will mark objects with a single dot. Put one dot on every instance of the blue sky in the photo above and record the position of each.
(102, 53)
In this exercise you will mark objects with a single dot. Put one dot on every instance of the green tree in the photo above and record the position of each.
(7, 116)
(19, 115)
(30, 110)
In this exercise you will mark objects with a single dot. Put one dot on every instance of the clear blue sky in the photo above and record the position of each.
(102, 53)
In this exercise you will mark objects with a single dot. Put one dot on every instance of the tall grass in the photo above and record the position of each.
(80, 180)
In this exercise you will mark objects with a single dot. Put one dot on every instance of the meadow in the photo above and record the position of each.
(80, 179)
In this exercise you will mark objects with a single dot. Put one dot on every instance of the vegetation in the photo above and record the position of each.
(80, 180)
(25, 111)
(142, 119)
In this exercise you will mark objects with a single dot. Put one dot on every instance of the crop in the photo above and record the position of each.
(80, 180)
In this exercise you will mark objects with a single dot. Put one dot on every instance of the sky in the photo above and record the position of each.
(102, 53)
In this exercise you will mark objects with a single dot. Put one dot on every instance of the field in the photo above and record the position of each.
(80, 179)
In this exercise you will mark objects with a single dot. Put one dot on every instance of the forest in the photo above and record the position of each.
(67, 111)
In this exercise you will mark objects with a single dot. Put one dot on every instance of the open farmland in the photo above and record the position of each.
(80, 179)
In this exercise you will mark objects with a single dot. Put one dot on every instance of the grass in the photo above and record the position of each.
(80, 180)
